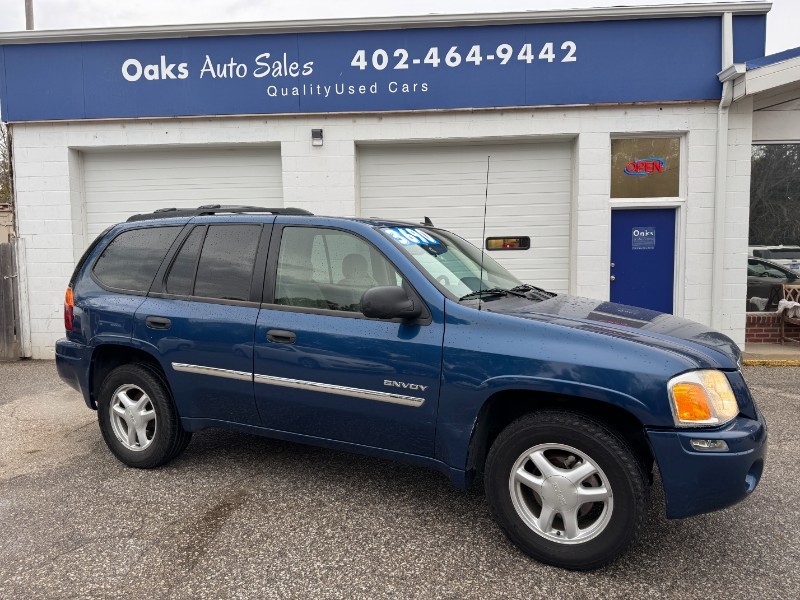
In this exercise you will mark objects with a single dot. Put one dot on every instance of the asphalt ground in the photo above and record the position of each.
(239, 516)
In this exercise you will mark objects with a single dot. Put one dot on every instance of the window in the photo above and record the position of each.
(775, 199)
(645, 167)
(180, 280)
(131, 260)
(225, 270)
(328, 269)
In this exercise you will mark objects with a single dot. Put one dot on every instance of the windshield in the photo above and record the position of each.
(450, 260)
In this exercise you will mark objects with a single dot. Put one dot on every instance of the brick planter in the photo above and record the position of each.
(765, 328)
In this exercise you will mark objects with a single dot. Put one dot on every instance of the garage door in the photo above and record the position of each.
(529, 195)
(120, 184)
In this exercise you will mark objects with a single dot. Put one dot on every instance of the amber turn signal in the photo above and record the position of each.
(702, 399)
(691, 402)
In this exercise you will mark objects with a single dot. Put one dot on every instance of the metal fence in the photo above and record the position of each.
(10, 338)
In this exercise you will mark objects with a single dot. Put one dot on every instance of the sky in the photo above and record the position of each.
(782, 22)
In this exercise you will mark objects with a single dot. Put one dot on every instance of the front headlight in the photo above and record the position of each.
(702, 399)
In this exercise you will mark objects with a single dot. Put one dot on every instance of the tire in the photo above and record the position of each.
(579, 526)
(138, 418)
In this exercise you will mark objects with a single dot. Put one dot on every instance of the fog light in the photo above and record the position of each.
(709, 445)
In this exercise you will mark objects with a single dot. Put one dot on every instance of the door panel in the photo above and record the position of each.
(323, 369)
(201, 316)
(209, 348)
(643, 258)
(333, 366)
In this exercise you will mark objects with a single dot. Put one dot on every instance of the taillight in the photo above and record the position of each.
(69, 305)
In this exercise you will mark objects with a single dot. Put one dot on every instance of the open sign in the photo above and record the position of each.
(644, 166)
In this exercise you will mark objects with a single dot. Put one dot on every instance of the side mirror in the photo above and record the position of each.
(389, 302)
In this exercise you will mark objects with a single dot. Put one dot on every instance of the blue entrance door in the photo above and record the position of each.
(643, 258)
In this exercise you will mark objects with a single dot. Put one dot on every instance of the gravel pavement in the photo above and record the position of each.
(239, 516)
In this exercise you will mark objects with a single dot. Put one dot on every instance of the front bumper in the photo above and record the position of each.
(72, 363)
(697, 481)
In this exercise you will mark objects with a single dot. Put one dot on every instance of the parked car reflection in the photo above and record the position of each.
(764, 282)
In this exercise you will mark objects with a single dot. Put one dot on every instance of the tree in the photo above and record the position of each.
(775, 195)
(5, 167)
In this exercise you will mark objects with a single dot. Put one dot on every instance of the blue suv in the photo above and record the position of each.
(403, 341)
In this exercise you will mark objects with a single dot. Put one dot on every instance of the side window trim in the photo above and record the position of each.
(268, 295)
(260, 267)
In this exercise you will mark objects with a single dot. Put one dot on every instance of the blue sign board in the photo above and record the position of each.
(357, 71)
(643, 238)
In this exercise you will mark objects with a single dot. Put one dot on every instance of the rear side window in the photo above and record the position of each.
(225, 270)
(180, 280)
(131, 260)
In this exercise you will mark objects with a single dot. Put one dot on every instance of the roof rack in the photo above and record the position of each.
(214, 209)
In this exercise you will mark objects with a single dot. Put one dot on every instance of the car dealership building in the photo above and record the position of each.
(617, 141)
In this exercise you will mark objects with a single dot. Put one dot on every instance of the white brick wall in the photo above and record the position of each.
(325, 181)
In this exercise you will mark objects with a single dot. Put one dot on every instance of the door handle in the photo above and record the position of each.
(281, 336)
(158, 322)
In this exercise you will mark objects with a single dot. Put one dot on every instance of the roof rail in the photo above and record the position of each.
(214, 209)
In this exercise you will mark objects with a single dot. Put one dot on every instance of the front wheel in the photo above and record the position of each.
(566, 490)
(138, 418)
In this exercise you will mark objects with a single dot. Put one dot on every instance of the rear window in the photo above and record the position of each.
(131, 260)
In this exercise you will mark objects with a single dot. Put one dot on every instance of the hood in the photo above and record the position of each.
(648, 327)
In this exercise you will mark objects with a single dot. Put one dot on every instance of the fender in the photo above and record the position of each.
(571, 388)
(456, 437)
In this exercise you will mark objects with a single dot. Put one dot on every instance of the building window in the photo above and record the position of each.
(645, 167)
(775, 195)
(774, 224)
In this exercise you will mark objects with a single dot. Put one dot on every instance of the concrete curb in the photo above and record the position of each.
(771, 362)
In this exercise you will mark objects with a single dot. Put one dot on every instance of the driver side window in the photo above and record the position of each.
(328, 269)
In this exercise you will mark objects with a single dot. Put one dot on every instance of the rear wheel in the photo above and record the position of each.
(138, 418)
(565, 489)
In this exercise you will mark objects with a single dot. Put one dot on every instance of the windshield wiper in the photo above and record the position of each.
(527, 287)
(491, 292)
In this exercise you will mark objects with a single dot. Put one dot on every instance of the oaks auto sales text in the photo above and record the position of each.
(134, 70)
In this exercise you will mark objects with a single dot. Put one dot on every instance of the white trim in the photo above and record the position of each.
(679, 203)
(391, 22)
(572, 281)
(773, 76)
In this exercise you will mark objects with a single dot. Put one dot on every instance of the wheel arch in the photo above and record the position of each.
(108, 356)
(504, 407)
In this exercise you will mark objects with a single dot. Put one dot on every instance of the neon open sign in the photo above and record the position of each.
(644, 166)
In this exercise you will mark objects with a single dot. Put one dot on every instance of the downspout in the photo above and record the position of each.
(720, 182)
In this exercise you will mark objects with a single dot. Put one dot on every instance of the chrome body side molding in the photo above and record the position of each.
(315, 386)
(200, 370)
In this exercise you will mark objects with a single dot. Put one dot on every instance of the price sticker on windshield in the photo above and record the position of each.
(411, 236)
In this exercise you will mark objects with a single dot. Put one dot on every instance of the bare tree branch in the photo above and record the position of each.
(5, 167)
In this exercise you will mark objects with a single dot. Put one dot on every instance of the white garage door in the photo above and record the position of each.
(529, 195)
(120, 184)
